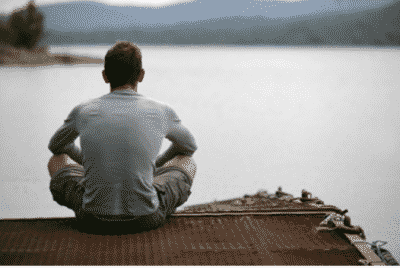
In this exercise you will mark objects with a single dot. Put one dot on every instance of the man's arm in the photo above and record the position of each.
(171, 152)
(183, 142)
(62, 141)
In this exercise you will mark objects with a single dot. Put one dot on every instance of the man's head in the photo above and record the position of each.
(123, 65)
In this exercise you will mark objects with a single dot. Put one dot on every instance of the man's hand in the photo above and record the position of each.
(74, 152)
(170, 153)
(187, 163)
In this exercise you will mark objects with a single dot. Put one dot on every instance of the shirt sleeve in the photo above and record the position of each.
(66, 134)
(179, 134)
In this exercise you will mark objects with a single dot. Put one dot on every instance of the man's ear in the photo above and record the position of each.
(105, 77)
(141, 75)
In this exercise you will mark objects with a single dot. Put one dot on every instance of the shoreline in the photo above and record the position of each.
(41, 57)
(13, 57)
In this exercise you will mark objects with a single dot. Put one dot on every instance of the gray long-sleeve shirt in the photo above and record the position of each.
(121, 134)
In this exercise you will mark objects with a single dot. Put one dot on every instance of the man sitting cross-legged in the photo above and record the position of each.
(116, 181)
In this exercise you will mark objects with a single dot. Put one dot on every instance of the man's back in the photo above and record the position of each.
(121, 134)
(117, 174)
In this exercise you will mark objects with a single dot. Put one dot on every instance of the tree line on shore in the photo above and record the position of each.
(20, 40)
(24, 29)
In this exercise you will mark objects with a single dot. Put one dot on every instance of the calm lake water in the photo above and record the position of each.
(322, 119)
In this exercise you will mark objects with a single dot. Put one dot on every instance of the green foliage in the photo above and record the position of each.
(24, 29)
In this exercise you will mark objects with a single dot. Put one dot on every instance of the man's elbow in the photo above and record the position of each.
(193, 150)
(190, 151)
(192, 146)
(54, 149)
(51, 148)
(185, 150)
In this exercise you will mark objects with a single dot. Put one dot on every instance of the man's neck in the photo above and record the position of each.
(125, 87)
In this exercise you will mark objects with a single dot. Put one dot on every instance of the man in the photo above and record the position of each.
(116, 181)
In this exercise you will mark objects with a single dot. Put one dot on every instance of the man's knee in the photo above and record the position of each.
(187, 163)
(58, 162)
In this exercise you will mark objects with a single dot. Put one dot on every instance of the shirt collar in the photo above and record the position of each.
(126, 92)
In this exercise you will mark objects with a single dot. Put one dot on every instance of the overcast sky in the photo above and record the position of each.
(7, 6)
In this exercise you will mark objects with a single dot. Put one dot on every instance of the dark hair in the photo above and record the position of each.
(122, 64)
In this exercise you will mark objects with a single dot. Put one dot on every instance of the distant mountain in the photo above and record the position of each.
(92, 16)
(378, 26)
(312, 22)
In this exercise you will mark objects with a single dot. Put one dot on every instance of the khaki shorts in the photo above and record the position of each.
(173, 186)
